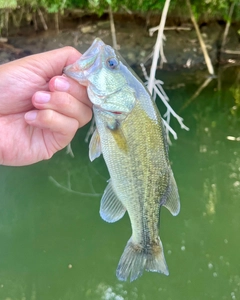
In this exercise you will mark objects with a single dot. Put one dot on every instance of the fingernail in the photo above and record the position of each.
(42, 97)
(31, 115)
(61, 84)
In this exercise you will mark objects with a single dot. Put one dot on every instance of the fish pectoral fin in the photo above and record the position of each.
(120, 139)
(111, 208)
(95, 146)
(173, 202)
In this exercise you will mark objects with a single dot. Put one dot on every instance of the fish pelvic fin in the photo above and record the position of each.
(136, 258)
(95, 149)
(111, 208)
(172, 202)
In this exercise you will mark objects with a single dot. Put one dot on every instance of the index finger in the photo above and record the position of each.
(52, 62)
(69, 85)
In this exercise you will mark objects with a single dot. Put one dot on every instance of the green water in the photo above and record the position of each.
(54, 245)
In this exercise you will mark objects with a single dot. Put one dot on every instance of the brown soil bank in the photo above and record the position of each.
(181, 46)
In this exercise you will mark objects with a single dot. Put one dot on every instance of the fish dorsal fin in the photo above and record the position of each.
(111, 208)
(95, 146)
(173, 202)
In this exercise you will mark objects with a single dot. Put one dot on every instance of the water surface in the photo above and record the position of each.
(54, 245)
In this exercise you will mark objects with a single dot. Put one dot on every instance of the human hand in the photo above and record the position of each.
(40, 110)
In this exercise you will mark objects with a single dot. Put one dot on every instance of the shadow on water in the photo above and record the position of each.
(54, 244)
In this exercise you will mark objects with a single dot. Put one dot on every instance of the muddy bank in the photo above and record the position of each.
(181, 47)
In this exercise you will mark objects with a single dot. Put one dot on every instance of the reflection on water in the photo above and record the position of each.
(54, 245)
(210, 196)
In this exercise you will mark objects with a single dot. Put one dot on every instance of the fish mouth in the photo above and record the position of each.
(116, 112)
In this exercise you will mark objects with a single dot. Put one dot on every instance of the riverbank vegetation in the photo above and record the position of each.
(16, 12)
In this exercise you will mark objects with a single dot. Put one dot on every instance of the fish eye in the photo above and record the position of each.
(112, 62)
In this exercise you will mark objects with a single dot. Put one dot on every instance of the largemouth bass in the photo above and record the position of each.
(130, 135)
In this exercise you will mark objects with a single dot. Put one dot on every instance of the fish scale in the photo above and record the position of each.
(131, 137)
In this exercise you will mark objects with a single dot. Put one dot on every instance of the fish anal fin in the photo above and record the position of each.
(172, 202)
(111, 208)
(136, 258)
(95, 146)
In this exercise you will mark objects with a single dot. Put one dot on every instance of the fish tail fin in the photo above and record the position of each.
(136, 258)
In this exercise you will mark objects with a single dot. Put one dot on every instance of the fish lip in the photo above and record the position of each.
(102, 94)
